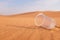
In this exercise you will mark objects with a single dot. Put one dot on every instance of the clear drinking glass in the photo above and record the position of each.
(45, 21)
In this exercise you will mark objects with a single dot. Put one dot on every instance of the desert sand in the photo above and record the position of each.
(22, 27)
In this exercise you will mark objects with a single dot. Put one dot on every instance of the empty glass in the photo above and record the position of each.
(44, 21)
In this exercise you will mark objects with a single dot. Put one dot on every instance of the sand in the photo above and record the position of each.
(22, 27)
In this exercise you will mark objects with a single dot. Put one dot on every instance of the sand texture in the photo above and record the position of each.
(22, 27)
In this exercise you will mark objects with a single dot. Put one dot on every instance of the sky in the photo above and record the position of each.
(8, 7)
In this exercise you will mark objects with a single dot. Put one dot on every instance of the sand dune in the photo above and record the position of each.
(22, 27)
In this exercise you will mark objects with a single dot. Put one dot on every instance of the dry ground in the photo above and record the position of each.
(21, 27)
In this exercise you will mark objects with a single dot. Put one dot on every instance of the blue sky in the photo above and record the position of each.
(8, 7)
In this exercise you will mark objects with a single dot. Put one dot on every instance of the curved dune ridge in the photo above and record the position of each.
(22, 27)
